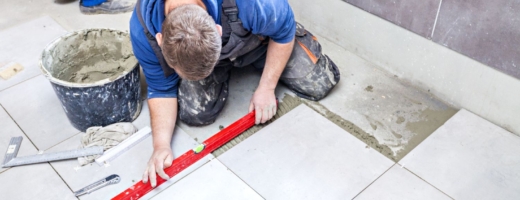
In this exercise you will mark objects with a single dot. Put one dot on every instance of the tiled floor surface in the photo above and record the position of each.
(305, 156)
(300, 156)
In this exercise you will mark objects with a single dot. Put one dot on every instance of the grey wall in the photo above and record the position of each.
(487, 31)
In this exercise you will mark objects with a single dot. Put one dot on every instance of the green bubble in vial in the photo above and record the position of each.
(199, 148)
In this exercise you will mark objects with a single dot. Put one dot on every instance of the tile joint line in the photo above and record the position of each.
(374, 180)
(436, 18)
(19, 127)
(62, 179)
(78, 133)
(240, 178)
(402, 166)
(1, 90)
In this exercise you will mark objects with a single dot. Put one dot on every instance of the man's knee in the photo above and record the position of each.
(200, 106)
(200, 112)
(309, 73)
(317, 84)
(196, 117)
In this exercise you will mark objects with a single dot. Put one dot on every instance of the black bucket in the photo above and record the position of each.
(95, 75)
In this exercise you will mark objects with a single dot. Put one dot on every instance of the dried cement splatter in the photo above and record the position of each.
(369, 88)
(400, 120)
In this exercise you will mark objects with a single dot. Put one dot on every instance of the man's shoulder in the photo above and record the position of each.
(272, 18)
(136, 30)
(268, 6)
(254, 10)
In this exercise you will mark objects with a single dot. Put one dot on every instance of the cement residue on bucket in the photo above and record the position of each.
(89, 56)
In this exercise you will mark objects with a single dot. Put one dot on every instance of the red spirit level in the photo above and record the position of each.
(187, 159)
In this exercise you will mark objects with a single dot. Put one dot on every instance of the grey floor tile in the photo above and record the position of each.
(243, 83)
(37, 181)
(469, 158)
(38, 111)
(211, 181)
(19, 44)
(129, 166)
(303, 155)
(400, 184)
(8, 129)
(416, 16)
(486, 31)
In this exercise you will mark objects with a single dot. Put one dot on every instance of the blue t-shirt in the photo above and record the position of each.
(272, 18)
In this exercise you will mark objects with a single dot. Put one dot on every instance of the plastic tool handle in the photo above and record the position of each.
(140, 189)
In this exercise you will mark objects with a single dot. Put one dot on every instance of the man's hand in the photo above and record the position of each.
(264, 101)
(264, 104)
(163, 113)
(162, 158)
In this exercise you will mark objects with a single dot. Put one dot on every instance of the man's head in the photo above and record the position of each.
(190, 41)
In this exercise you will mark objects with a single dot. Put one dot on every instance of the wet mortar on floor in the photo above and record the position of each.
(431, 120)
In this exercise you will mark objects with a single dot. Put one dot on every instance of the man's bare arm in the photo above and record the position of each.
(163, 114)
(264, 100)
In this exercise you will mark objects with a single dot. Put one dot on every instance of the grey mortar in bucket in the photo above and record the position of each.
(95, 76)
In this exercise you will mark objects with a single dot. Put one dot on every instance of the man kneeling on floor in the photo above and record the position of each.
(188, 47)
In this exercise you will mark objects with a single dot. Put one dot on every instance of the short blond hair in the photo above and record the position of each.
(191, 43)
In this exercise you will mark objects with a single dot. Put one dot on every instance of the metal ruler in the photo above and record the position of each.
(12, 149)
(122, 147)
(14, 145)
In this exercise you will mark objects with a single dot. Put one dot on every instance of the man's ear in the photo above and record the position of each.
(158, 37)
(219, 29)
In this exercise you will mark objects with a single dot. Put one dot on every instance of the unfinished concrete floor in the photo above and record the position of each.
(383, 123)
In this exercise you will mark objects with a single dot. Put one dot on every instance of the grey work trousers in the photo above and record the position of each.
(308, 73)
